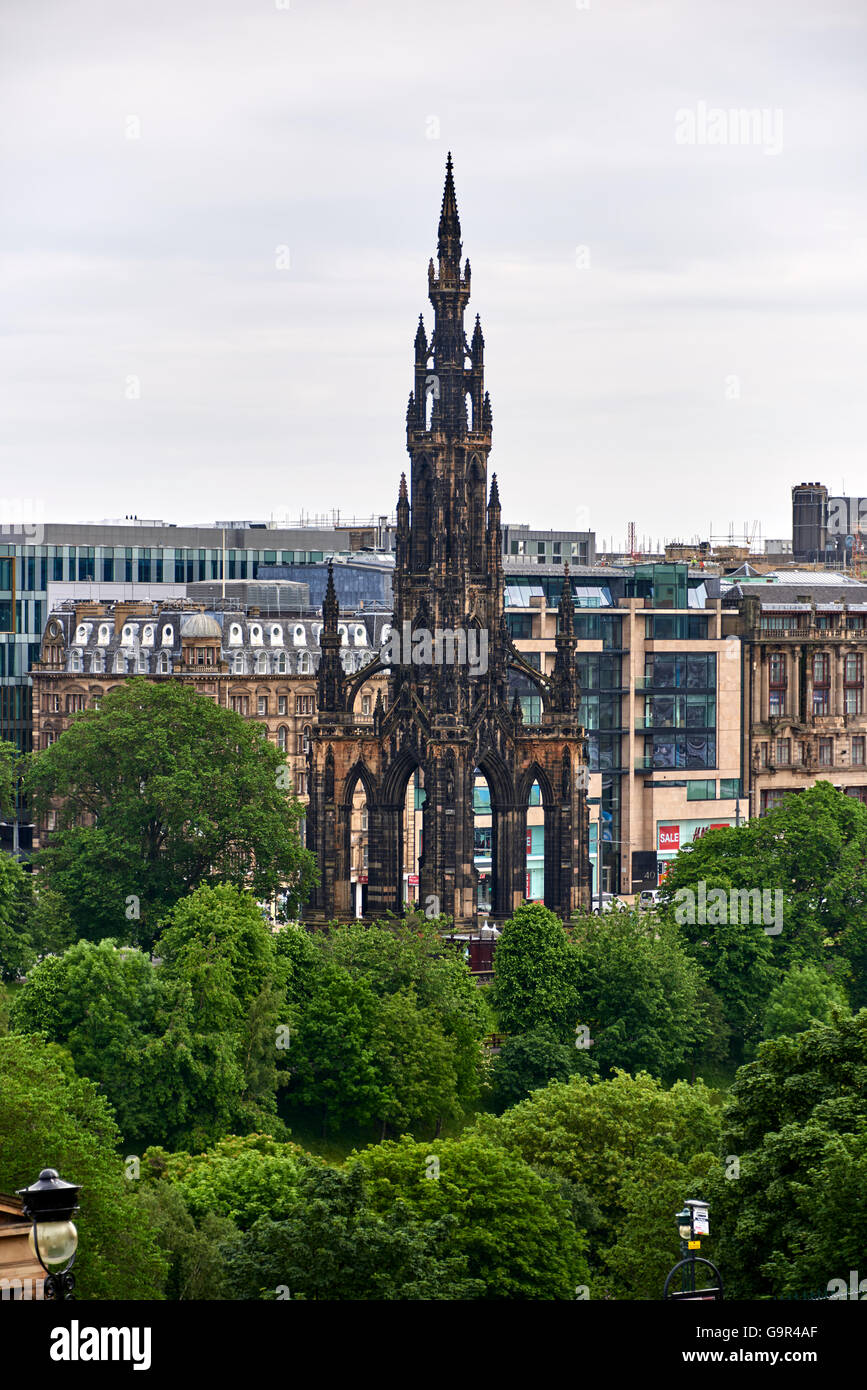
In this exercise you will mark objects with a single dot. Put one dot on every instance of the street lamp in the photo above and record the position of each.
(50, 1203)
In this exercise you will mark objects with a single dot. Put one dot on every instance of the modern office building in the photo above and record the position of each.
(661, 696)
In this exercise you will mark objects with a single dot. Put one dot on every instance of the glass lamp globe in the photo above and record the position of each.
(58, 1241)
(685, 1232)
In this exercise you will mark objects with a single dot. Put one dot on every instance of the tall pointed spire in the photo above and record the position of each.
(330, 606)
(566, 611)
(449, 234)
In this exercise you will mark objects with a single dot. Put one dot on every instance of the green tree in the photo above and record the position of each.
(528, 1061)
(512, 1225)
(333, 1246)
(178, 1053)
(51, 1118)
(807, 994)
(795, 1124)
(813, 848)
(416, 1065)
(603, 1137)
(160, 791)
(410, 955)
(11, 763)
(330, 1057)
(240, 1178)
(534, 984)
(16, 943)
(638, 992)
(192, 1252)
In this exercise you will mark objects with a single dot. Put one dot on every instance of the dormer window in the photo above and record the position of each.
(360, 635)
(261, 664)
(236, 636)
(81, 634)
(75, 662)
(344, 634)
(256, 635)
(299, 636)
(240, 664)
(276, 635)
(119, 664)
(168, 635)
(147, 637)
(282, 664)
(104, 635)
(127, 635)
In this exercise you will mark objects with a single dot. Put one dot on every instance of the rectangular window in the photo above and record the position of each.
(858, 747)
(262, 705)
(365, 704)
(699, 790)
(853, 683)
(821, 683)
(729, 788)
(282, 704)
(784, 752)
(770, 799)
(826, 752)
(763, 755)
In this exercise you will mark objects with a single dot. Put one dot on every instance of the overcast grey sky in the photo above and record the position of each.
(675, 328)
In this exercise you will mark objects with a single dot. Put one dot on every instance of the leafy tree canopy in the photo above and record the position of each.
(51, 1118)
(158, 791)
(512, 1225)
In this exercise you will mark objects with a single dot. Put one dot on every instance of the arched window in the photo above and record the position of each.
(305, 738)
(422, 517)
(304, 663)
(97, 662)
(360, 635)
(236, 637)
(104, 635)
(147, 637)
(261, 663)
(239, 667)
(344, 634)
(164, 664)
(317, 632)
(276, 635)
(75, 661)
(127, 635)
(476, 515)
(282, 664)
(282, 738)
(168, 635)
(81, 633)
(119, 664)
(299, 636)
(143, 663)
(256, 635)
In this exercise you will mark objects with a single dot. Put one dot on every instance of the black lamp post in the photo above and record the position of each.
(50, 1203)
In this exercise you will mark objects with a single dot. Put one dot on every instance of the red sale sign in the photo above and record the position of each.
(669, 837)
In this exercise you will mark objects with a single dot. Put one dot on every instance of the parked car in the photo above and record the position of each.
(648, 897)
(610, 903)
